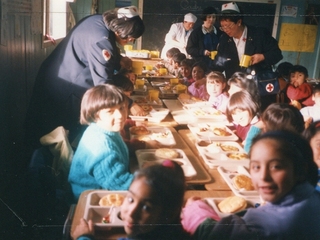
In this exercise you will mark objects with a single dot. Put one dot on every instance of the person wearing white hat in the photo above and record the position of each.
(178, 35)
(239, 39)
(86, 57)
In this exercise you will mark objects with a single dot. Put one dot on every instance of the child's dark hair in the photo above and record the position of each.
(122, 82)
(243, 101)
(283, 70)
(178, 57)
(299, 68)
(97, 98)
(172, 51)
(312, 130)
(315, 88)
(187, 62)
(201, 65)
(167, 182)
(282, 116)
(296, 148)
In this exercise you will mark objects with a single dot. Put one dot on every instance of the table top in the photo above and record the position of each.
(119, 232)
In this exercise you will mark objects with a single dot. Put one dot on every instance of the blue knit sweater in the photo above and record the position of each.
(101, 161)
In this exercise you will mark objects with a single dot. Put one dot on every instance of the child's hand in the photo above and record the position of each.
(84, 228)
(153, 144)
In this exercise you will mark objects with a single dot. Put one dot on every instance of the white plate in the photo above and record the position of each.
(156, 115)
(147, 156)
(206, 113)
(95, 212)
(229, 172)
(204, 131)
(213, 202)
(161, 134)
(214, 155)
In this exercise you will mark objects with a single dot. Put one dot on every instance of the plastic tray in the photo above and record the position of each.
(161, 134)
(204, 131)
(229, 172)
(140, 100)
(156, 115)
(95, 212)
(215, 154)
(147, 156)
(190, 103)
(206, 113)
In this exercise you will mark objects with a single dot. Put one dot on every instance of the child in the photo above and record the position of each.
(198, 73)
(299, 91)
(186, 71)
(123, 82)
(243, 111)
(312, 134)
(152, 207)
(101, 160)
(312, 113)
(217, 90)
(284, 174)
(129, 74)
(277, 116)
(176, 63)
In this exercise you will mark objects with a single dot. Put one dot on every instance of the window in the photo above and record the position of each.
(55, 21)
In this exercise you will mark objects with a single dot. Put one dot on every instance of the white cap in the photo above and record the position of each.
(128, 12)
(230, 8)
(189, 17)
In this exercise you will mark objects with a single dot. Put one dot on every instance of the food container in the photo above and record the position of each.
(161, 134)
(156, 115)
(206, 131)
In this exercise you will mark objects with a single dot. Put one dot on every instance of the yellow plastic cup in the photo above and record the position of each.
(140, 83)
(180, 88)
(155, 54)
(153, 94)
(174, 81)
(245, 61)
(149, 67)
(127, 47)
(137, 67)
(213, 54)
(163, 71)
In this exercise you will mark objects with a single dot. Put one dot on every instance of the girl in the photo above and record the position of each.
(217, 90)
(312, 134)
(101, 160)
(186, 71)
(152, 207)
(198, 73)
(283, 172)
(243, 111)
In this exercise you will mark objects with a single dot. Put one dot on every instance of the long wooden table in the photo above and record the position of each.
(115, 233)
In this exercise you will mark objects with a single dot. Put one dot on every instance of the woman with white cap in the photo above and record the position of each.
(239, 39)
(86, 57)
(178, 35)
(204, 38)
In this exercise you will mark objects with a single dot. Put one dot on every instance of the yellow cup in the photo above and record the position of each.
(155, 54)
(153, 94)
(163, 71)
(180, 88)
(174, 81)
(127, 47)
(140, 83)
(137, 67)
(149, 67)
(245, 61)
(213, 54)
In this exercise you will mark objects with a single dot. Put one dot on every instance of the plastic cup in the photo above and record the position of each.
(163, 71)
(127, 47)
(245, 61)
(174, 81)
(213, 54)
(180, 88)
(140, 83)
(137, 67)
(149, 67)
(155, 54)
(153, 94)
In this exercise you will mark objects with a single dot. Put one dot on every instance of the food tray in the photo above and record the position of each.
(161, 134)
(206, 113)
(190, 103)
(216, 154)
(158, 83)
(140, 100)
(147, 156)
(229, 172)
(204, 131)
(140, 90)
(213, 202)
(156, 115)
(166, 91)
(95, 212)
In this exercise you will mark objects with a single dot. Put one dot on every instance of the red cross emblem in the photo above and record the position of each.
(269, 87)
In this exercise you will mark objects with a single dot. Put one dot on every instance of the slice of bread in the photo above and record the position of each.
(113, 199)
(232, 204)
(242, 181)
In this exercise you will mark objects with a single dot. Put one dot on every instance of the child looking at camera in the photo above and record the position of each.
(217, 90)
(299, 91)
(312, 113)
(152, 207)
(198, 73)
(186, 71)
(284, 174)
(101, 160)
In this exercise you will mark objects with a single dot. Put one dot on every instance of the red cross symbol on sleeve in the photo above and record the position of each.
(269, 87)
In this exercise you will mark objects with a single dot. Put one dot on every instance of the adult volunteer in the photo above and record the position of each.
(87, 56)
(239, 39)
(178, 35)
(204, 38)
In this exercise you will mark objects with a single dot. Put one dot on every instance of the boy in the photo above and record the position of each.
(312, 113)
(299, 91)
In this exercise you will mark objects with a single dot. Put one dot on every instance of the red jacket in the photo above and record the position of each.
(302, 94)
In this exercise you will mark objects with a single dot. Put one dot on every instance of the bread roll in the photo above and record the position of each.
(113, 199)
(242, 181)
(139, 130)
(166, 153)
(232, 204)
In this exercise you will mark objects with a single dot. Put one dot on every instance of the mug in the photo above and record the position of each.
(213, 54)
(245, 61)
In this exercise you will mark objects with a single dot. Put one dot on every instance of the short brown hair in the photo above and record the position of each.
(97, 98)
